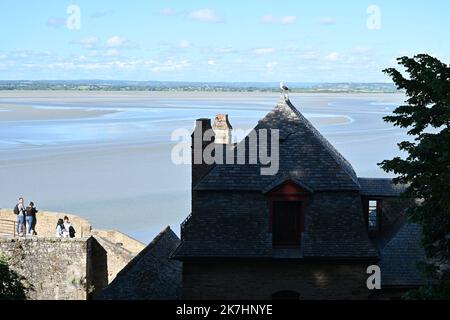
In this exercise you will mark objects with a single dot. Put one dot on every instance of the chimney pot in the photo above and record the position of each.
(222, 128)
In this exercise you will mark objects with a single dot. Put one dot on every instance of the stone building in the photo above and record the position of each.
(309, 232)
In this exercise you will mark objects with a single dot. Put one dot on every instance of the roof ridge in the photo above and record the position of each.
(144, 251)
(348, 168)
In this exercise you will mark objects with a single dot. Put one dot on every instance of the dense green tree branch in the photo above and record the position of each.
(426, 169)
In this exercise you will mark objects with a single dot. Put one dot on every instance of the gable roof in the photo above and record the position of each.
(304, 155)
(400, 256)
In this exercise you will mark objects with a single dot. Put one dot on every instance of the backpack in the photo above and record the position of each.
(72, 232)
(16, 210)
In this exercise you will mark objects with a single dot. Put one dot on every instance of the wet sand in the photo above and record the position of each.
(106, 156)
(30, 113)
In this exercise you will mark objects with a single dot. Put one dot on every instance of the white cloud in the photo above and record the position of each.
(93, 53)
(333, 56)
(264, 50)
(211, 62)
(205, 15)
(288, 20)
(166, 66)
(184, 44)
(120, 42)
(84, 64)
(271, 19)
(56, 22)
(116, 41)
(224, 50)
(327, 21)
(112, 52)
(362, 50)
(308, 55)
(88, 42)
(168, 12)
(271, 65)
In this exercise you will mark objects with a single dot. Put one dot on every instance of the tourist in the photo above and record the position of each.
(31, 219)
(69, 229)
(19, 210)
(60, 228)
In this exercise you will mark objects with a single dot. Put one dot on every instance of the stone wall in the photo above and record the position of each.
(46, 223)
(120, 248)
(260, 280)
(117, 257)
(58, 269)
(235, 223)
(120, 239)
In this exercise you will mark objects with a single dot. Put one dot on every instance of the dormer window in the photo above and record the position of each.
(287, 204)
(286, 223)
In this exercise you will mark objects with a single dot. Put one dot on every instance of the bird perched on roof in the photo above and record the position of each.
(284, 90)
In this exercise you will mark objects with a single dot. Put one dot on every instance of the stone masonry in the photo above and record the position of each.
(58, 269)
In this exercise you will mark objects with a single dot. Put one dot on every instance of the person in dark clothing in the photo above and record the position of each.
(31, 219)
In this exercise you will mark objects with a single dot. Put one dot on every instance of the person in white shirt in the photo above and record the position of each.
(60, 228)
(69, 231)
(19, 210)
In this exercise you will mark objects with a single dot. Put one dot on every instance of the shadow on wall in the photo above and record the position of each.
(97, 269)
(13, 285)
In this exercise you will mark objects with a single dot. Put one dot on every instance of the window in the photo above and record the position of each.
(286, 223)
(373, 215)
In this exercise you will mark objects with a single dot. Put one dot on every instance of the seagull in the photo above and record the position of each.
(283, 87)
(284, 90)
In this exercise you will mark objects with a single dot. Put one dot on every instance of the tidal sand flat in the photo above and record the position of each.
(36, 113)
(106, 156)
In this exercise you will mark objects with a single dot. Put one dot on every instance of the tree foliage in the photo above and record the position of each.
(426, 168)
(11, 283)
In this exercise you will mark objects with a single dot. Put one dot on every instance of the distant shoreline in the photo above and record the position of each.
(204, 91)
(156, 86)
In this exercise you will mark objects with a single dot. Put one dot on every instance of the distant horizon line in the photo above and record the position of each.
(200, 82)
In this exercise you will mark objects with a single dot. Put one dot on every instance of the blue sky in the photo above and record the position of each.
(196, 40)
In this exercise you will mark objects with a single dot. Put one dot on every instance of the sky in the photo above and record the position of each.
(215, 41)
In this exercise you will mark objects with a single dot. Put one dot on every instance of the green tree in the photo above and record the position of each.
(11, 284)
(426, 168)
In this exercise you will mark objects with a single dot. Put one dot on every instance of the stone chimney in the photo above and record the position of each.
(199, 167)
(222, 129)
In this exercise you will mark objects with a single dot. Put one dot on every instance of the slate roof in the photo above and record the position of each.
(400, 256)
(380, 187)
(305, 155)
(151, 274)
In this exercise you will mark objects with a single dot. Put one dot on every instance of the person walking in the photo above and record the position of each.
(19, 210)
(31, 219)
